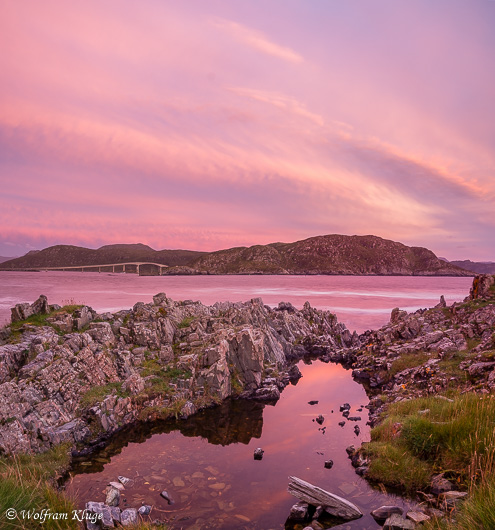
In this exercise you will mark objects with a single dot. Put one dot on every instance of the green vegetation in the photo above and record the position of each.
(424, 436)
(186, 322)
(26, 483)
(407, 360)
(98, 393)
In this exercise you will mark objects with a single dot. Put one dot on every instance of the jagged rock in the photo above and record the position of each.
(320, 419)
(328, 464)
(22, 311)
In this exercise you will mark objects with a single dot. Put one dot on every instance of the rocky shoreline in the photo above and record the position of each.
(70, 375)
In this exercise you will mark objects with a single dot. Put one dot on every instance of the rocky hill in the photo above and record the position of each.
(330, 254)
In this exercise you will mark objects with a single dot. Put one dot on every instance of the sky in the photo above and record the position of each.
(209, 124)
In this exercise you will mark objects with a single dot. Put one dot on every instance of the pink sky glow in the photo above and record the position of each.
(206, 125)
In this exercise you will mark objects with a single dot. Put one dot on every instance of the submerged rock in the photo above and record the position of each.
(258, 453)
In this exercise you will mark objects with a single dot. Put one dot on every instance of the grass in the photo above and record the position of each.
(26, 483)
(98, 393)
(186, 322)
(407, 360)
(424, 436)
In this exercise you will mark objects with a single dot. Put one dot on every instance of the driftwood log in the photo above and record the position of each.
(333, 504)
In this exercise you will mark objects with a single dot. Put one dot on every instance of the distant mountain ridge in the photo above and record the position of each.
(481, 267)
(329, 254)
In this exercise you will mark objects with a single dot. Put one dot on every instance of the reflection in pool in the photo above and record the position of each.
(206, 463)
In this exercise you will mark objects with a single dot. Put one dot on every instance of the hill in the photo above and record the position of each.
(330, 254)
(481, 267)
(72, 256)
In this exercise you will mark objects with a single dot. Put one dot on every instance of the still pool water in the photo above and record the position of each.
(206, 463)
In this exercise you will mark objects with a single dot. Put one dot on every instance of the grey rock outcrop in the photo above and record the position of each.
(83, 376)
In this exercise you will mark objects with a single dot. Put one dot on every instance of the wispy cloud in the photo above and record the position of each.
(282, 101)
(257, 40)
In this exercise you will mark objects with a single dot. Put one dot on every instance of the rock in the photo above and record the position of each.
(397, 522)
(23, 311)
(334, 505)
(449, 499)
(417, 517)
(258, 453)
(354, 418)
(145, 509)
(478, 369)
(439, 484)
(113, 496)
(357, 430)
(320, 419)
(384, 512)
(128, 517)
(270, 393)
(115, 514)
(117, 485)
(294, 374)
(328, 464)
(123, 480)
(160, 299)
(167, 497)
(341, 423)
(344, 407)
(298, 512)
(313, 402)
(350, 450)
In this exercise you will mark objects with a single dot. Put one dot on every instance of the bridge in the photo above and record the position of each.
(130, 267)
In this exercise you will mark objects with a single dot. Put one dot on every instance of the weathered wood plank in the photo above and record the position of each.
(333, 504)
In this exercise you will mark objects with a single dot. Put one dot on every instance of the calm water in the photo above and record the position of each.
(361, 302)
(206, 463)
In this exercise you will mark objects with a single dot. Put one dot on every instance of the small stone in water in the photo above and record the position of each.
(341, 423)
(320, 419)
(312, 402)
(258, 453)
(167, 497)
(357, 430)
(329, 464)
